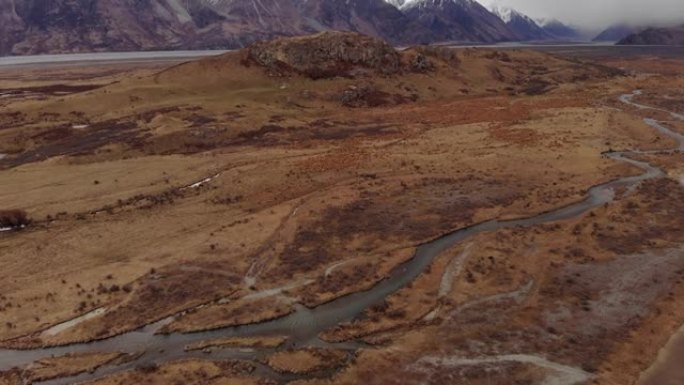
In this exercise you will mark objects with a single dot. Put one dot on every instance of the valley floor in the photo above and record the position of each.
(196, 209)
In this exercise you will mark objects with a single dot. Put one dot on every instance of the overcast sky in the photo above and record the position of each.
(596, 14)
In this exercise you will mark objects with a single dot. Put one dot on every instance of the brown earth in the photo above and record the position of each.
(223, 193)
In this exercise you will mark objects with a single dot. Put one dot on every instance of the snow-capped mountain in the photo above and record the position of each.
(559, 30)
(524, 27)
(456, 20)
(51, 26)
(617, 32)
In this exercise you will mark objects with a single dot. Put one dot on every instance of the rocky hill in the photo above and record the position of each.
(361, 70)
(656, 36)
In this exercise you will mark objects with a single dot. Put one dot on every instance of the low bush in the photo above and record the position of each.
(14, 219)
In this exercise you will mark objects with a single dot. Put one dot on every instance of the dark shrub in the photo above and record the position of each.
(14, 219)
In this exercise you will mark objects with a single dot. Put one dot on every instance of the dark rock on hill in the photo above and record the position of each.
(326, 55)
(343, 54)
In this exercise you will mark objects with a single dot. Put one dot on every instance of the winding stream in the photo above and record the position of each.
(304, 325)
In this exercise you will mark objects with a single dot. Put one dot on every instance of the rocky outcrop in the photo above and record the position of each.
(343, 54)
(325, 55)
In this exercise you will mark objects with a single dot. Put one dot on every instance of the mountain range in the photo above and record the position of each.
(527, 29)
(656, 36)
(616, 32)
(56, 26)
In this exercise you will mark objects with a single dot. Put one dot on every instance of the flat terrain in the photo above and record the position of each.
(226, 192)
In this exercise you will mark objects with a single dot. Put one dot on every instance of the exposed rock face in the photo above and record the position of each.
(343, 54)
(63, 26)
(656, 36)
(327, 54)
(93, 25)
(11, 25)
(50, 26)
(370, 17)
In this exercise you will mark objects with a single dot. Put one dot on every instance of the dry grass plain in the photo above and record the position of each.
(221, 194)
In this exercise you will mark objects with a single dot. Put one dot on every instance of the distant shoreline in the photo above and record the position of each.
(105, 57)
(102, 58)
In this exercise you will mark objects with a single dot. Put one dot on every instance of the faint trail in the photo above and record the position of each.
(517, 296)
(54, 330)
(331, 269)
(453, 270)
(277, 291)
(561, 374)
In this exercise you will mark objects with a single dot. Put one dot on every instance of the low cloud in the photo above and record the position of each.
(599, 14)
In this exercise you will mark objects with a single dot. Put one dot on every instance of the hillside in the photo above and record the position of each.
(59, 26)
(456, 20)
(656, 36)
(559, 30)
(616, 33)
(524, 27)
(327, 209)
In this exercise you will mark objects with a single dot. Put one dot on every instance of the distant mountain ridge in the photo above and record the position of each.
(456, 20)
(616, 32)
(64, 26)
(50, 26)
(559, 30)
(524, 27)
(656, 36)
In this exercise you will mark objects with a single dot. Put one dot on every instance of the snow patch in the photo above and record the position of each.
(408, 4)
(202, 182)
(53, 331)
(506, 14)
